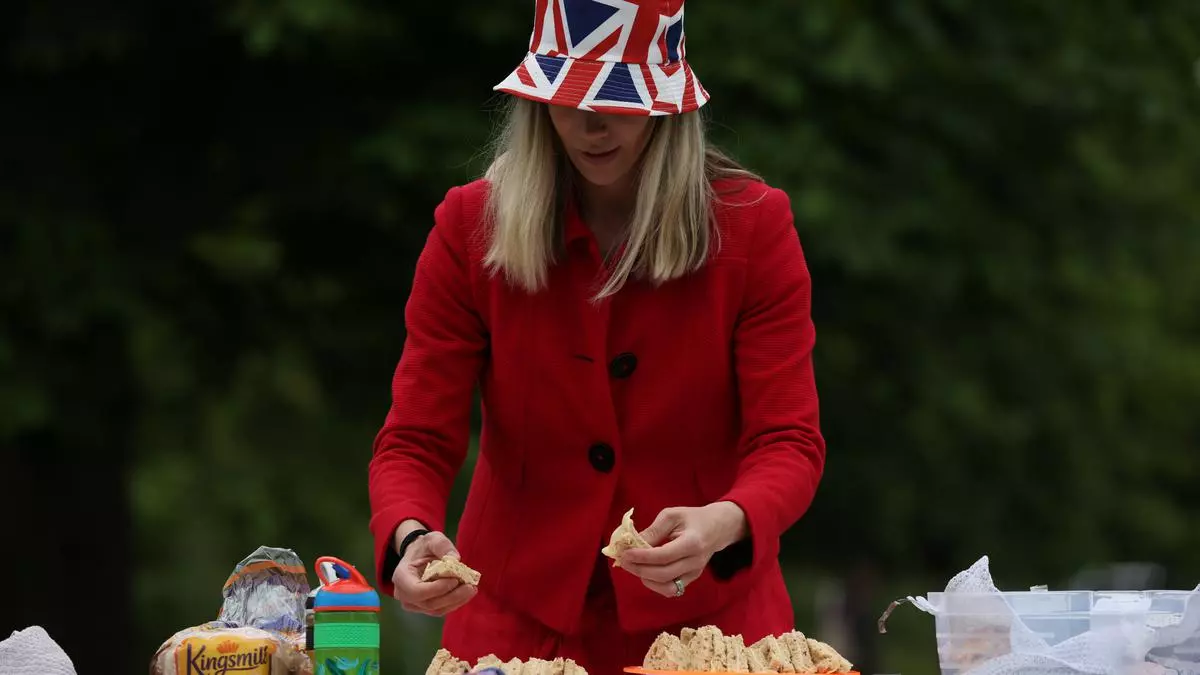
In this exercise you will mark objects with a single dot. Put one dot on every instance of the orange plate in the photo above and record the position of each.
(647, 671)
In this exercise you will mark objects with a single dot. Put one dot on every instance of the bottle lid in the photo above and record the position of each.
(343, 588)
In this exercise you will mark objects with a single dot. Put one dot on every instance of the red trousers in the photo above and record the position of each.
(482, 627)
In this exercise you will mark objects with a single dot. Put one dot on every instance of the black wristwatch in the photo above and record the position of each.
(408, 540)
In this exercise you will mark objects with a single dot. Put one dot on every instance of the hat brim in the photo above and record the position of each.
(606, 86)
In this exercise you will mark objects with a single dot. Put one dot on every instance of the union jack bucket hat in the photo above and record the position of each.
(610, 56)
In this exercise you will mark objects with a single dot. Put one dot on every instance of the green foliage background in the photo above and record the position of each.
(211, 210)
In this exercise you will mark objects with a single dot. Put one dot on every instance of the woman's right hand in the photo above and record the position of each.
(436, 597)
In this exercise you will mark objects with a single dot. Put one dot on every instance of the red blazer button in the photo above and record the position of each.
(602, 457)
(623, 366)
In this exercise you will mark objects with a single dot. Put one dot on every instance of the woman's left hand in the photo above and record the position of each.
(683, 541)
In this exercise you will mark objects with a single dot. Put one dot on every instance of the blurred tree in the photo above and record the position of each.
(209, 214)
(1006, 193)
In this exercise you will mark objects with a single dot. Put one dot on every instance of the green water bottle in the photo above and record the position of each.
(345, 621)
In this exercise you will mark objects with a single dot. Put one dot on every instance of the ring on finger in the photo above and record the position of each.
(679, 587)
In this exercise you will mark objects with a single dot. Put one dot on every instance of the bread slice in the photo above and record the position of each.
(719, 662)
(797, 648)
(667, 653)
(439, 659)
(756, 662)
(702, 648)
(777, 657)
(450, 568)
(489, 661)
(444, 663)
(706, 649)
(539, 667)
(735, 655)
(623, 538)
(826, 659)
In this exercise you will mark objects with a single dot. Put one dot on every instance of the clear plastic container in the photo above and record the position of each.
(973, 628)
(1110, 609)
(1176, 617)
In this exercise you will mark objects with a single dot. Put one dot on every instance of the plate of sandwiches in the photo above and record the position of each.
(694, 651)
(706, 650)
(444, 663)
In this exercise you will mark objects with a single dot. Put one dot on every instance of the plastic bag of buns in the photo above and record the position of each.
(259, 630)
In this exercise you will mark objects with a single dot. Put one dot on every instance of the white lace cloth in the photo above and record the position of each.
(32, 652)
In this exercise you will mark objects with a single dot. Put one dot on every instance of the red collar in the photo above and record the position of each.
(574, 229)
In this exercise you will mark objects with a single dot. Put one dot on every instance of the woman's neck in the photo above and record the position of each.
(607, 210)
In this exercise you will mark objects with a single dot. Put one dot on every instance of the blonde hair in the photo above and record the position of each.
(671, 233)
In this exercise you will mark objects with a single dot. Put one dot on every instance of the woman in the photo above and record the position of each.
(635, 309)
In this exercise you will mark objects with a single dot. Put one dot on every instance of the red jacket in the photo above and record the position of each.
(696, 391)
